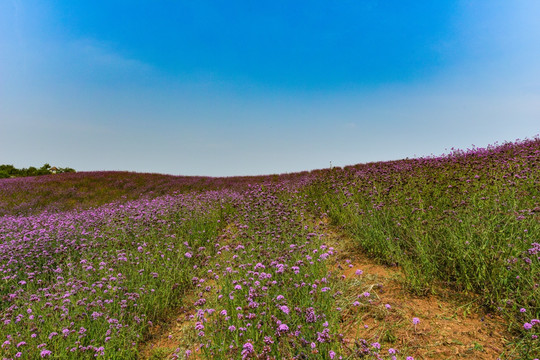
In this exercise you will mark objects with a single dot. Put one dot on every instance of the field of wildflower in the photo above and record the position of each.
(99, 265)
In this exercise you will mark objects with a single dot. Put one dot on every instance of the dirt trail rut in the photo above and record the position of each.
(447, 328)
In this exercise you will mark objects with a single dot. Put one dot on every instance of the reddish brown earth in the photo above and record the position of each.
(450, 326)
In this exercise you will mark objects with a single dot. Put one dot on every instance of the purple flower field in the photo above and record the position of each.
(86, 283)
(90, 263)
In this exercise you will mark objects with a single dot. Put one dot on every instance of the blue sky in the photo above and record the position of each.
(240, 87)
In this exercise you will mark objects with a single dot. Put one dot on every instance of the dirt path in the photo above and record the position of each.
(178, 335)
(447, 328)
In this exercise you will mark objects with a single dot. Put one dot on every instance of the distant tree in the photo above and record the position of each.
(7, 171)
(31, 171)
(65, 170)
(44, 170)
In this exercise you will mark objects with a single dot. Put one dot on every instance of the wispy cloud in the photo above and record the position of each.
(97, 53)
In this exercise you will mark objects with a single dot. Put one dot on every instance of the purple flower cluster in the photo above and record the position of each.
(274, 281)
(88, 282)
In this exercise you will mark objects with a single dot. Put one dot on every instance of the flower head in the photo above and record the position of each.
(247, 349)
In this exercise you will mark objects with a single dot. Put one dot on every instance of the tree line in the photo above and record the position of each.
(9, 171)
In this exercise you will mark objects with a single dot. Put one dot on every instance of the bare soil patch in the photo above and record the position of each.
(450, 326)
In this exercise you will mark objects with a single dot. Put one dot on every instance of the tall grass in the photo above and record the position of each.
(469, 220)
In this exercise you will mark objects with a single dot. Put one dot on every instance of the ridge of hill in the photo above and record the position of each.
(83, 190)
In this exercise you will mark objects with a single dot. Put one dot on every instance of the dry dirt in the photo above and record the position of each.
(450, 327)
